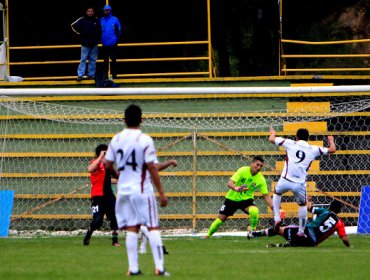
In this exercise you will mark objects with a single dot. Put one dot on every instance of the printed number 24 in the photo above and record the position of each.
(131, 160)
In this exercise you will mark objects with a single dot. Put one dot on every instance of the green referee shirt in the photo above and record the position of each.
(254, 183)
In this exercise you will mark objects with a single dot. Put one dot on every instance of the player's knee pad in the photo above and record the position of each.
(253, 211)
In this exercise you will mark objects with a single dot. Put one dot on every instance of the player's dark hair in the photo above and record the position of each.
(335, 206)
(100, 148)
(133, 116)
(259, 158)
(302, 134)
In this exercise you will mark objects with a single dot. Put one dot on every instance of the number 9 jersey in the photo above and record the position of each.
(299, 156)
(131, 149)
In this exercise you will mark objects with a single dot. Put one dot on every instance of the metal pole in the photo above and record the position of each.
(210, 66)
(6, 37)
(280, 2)
(194, 182)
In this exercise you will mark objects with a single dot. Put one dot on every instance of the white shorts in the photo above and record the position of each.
(137, 209)
(298, 189)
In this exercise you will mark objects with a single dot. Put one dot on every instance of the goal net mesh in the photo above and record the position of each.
(47, 143)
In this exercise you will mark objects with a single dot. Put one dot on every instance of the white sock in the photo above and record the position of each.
(132, 252)
(144, 231)
(302, 215)
(276, 201)
(157, 251)
(144, 239)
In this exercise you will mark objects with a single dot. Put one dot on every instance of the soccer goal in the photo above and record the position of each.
(47, 142)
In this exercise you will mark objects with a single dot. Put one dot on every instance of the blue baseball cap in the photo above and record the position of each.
(107, 7)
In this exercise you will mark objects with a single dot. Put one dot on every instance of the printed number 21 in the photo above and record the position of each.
(131, 160)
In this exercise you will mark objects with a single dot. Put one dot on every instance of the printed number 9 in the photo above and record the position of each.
(300, 155)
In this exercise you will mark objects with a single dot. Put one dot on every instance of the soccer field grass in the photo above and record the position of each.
(189, 258)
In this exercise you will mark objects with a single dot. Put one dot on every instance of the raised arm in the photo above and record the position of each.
(272, 135)
(331, 148)
(92, 166)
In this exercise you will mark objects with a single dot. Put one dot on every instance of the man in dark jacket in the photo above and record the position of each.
(89, 30)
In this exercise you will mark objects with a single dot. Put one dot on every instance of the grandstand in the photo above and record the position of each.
(48, 141)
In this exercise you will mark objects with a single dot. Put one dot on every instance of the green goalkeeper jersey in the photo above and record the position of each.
(243, 176)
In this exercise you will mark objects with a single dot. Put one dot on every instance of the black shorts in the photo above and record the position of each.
(101, 206)
(229, 207)
(290, 234)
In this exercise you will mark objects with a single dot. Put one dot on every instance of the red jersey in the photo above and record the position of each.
(100, 181)
(325, 225)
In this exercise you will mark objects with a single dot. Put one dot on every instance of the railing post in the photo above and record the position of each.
(210, 64)
(194, 181)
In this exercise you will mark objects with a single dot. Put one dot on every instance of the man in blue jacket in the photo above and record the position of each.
(89, 30)
(111, 31)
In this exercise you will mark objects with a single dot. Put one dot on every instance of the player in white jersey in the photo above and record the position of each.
(135, 156)
(299, 156)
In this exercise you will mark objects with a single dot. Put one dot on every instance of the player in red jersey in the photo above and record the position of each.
(324, 225)
(103, 200)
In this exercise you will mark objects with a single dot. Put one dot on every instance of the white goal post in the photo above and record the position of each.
(181, 90)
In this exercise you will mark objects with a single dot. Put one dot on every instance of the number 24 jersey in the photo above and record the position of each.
(131, 149)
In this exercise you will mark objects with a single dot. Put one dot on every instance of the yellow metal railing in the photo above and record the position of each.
(201, 57)
(284, 57)
(204, 55)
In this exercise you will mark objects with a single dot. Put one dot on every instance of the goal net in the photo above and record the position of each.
(47, 143)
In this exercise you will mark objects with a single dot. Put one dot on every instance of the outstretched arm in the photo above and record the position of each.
(331, 148)
(272, 135)
(157, 182)
(163, 165)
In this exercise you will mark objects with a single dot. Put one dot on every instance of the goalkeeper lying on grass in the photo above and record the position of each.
(326, 223)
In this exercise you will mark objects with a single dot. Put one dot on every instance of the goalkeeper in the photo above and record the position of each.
(245, 181)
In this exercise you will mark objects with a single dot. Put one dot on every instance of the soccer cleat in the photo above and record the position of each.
(86, 240)
(277, 226)
(162, 273)
(249, 232)
(165, 252)
(301, 235)
(129, 273)
(142, 250)
(204, 237)
(116, 244)
(250, 235)
(278, 245)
